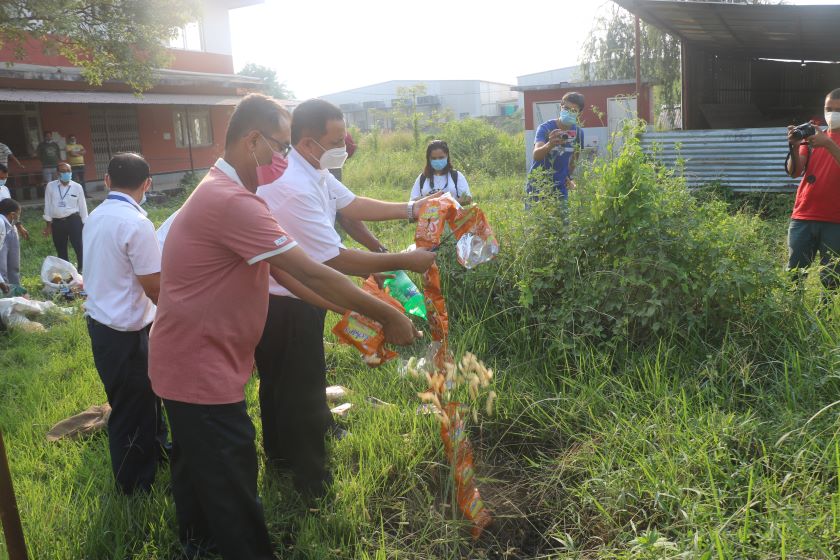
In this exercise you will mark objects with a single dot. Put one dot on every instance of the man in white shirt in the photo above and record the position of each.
(122, 281)
(290, 357)
(65, 211)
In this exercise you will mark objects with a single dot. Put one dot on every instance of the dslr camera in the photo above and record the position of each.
(803, 131)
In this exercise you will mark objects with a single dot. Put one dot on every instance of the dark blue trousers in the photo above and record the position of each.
(137, 435)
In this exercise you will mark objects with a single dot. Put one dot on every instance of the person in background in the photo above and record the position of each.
(5, 193)
(211, 312)
(440, 176)
(557, 145)
(5, 154)
(9, 244)
(65, 211)
(122, 281)
(815, 221)
(76, 158)
(290, 356)
(49, 153)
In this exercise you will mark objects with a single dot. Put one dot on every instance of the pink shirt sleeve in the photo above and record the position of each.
(252, 231)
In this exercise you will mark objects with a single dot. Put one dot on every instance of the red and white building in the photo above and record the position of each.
(179, 125)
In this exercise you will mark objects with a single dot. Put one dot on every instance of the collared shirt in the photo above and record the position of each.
(213, 292)
(304, 201)
(819, 200)
(120, 245)
(4, 192)
(62, 200)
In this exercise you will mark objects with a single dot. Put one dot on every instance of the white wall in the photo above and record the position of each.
(216, 27)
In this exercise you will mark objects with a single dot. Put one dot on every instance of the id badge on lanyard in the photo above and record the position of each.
(62, 203)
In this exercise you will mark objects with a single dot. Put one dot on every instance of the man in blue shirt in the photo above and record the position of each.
(557, 144)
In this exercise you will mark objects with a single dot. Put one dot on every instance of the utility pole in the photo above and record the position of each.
(12, 530)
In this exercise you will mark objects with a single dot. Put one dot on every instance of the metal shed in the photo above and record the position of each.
(746, 69)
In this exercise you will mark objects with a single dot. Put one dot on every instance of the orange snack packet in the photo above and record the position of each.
(464, 220)
(435, 304)
(460, 455)
(364, 333)
(432, 217)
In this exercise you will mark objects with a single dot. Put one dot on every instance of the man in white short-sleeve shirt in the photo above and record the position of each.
(122, 280)
(65, 213)
(290, 357)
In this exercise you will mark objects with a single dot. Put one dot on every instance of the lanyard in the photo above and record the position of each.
(63, 196)
(121, 199)
(434, 189)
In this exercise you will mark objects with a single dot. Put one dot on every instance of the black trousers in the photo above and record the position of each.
(79, 176)
(64, 229)
(214, 481)
(137, 437)
(293, 407)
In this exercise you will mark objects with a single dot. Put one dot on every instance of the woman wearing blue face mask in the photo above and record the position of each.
(439, 176)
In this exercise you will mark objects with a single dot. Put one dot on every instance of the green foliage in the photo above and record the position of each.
(273, 87)
(683, 447)
(634, 256)
(478, 147)
(119, 40)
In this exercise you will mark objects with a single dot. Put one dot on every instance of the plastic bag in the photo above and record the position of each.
(477, 244)
(17, 312)
(59, 275)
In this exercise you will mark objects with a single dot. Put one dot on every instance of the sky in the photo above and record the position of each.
(324, 46)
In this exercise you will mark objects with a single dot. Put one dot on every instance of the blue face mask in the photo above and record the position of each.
(143, 200)
(567, 117)
(65, 176)
(2, 182)
(439, 164)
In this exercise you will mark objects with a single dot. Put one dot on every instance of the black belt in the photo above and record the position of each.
(66, 217)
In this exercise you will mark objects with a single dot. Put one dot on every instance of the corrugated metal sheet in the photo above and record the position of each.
(744, 159)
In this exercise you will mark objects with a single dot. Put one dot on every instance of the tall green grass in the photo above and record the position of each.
(672, 445)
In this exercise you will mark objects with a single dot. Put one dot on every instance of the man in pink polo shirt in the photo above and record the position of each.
(211, 312)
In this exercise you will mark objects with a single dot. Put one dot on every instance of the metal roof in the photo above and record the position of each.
(54, 96)
(161, 76)
(793, 32)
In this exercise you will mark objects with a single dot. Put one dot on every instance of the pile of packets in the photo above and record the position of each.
(475, 244)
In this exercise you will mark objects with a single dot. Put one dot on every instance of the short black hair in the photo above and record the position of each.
(311, 116)
(835, 94)
(128, 170)
(9, 205)
(3, 168)
(576, 98)
(254, 111)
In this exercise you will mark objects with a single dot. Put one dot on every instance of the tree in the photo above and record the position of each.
(273, 88)
(123, 40)
(609, 51)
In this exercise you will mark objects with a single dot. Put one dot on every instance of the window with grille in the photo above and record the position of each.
(192, 127)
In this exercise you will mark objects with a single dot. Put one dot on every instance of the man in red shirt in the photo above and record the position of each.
(815, 222)
(211, 311)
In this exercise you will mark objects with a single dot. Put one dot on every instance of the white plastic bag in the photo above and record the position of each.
(17, 312)
(54, 266)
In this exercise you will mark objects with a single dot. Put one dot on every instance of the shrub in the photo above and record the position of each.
(634, 256)
(478, 146)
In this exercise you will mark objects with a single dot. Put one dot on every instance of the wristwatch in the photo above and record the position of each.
(410, 211)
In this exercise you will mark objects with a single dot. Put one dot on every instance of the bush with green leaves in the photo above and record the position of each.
(633, 256)
(478, 146)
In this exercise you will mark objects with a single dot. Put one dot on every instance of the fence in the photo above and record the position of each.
(744, 159)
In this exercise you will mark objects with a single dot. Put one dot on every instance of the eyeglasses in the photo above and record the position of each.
(283, 149)
(570, 109)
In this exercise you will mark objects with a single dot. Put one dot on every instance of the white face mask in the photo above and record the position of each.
(832, 119)
(332, 159)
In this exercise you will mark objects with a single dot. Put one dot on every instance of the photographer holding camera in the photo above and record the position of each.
(815, 222)
(557, 145)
